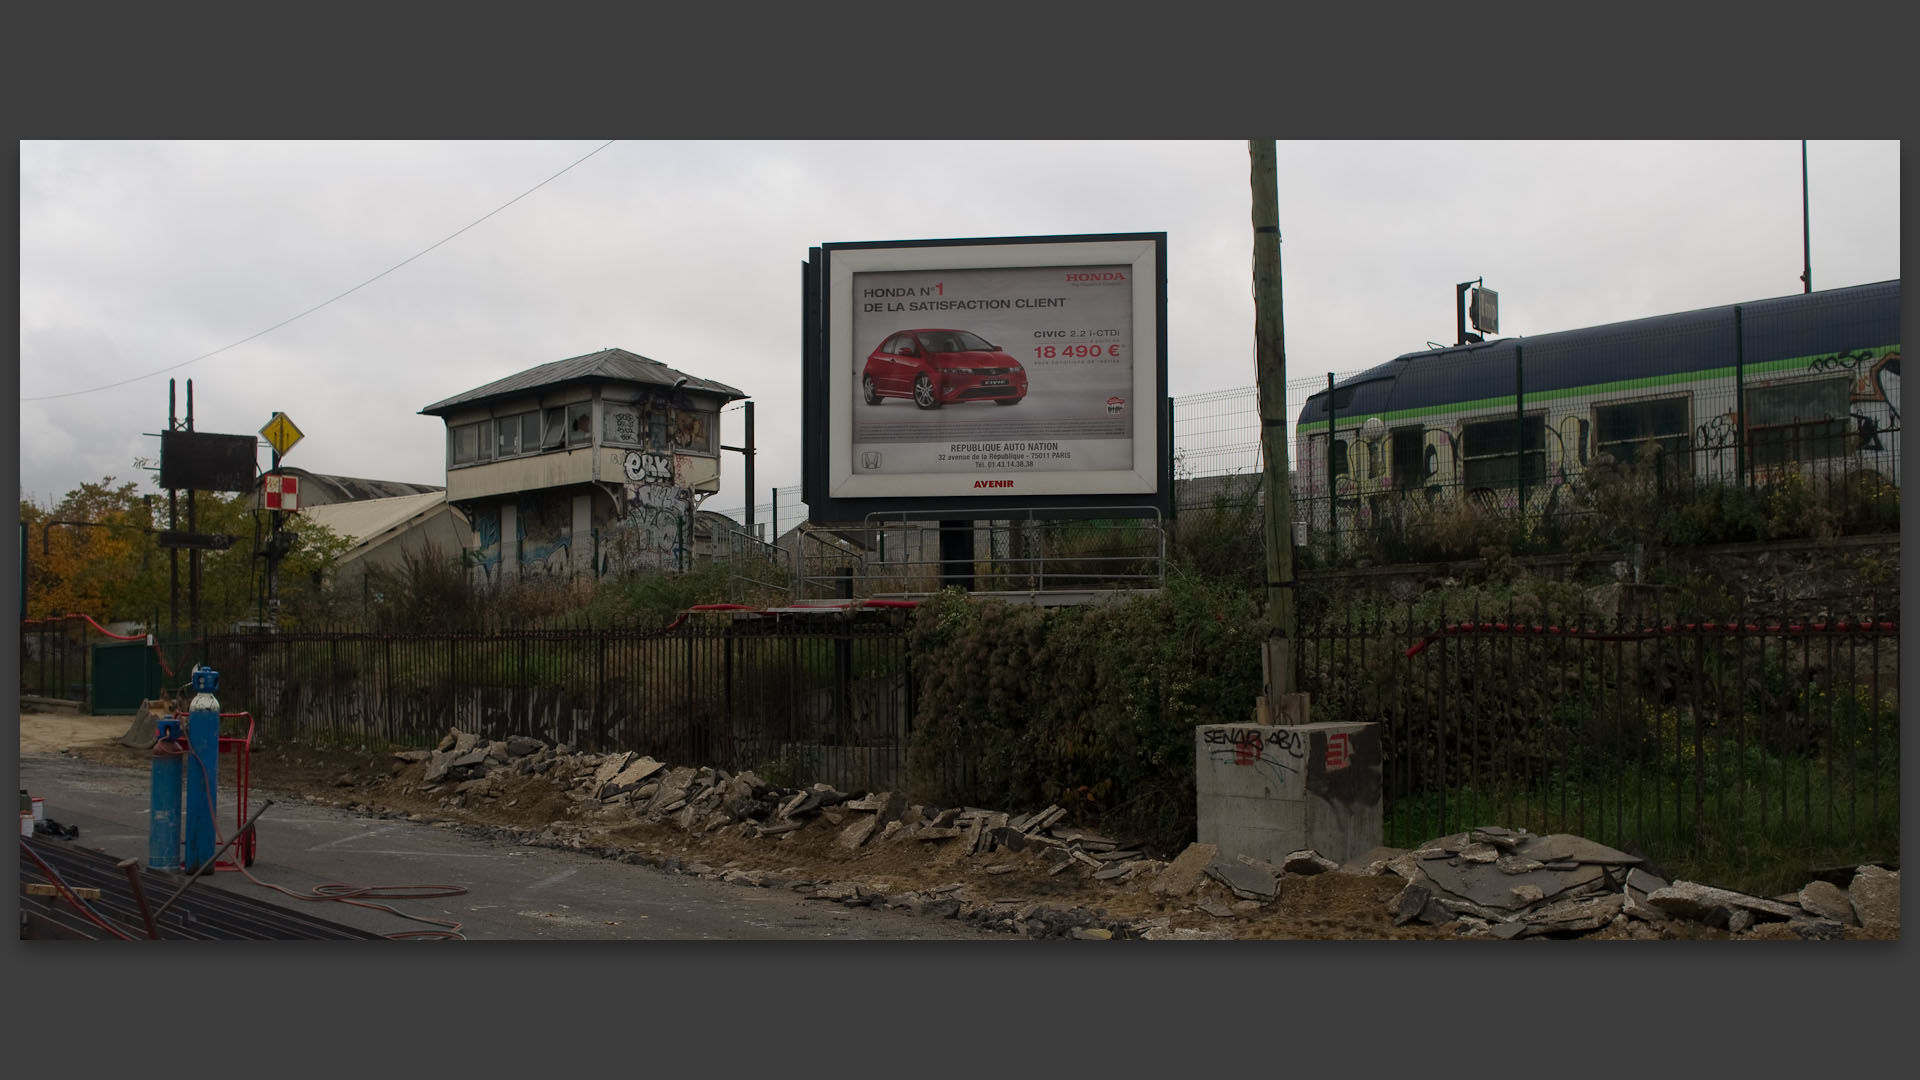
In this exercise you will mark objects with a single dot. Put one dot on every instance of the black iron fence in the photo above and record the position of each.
(1744, 742)
(803, 699)
(54, 658)
(1728, 743)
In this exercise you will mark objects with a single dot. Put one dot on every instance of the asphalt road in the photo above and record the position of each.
(513, 892)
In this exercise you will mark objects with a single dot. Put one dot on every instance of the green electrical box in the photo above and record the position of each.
(125, 673)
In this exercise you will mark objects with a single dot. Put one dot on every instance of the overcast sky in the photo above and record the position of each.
(138, 257)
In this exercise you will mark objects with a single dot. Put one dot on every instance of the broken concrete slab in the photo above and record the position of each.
(1184, 873)
(857, 833)
(523, 745)
(1485, 884)
(1817, 929)
(610, 767)
(1705, 903)
(1827, 901)
(1875, 896)
(1645, 882)
(1244, 880)
(1413, 900)
(1307, 862)
(1575, 916)
(1566, 847)
(629, 778)
(1504, 839)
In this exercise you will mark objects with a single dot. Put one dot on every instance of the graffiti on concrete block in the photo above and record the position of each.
(1274, 752)
(1339, 751)
(1349, 772)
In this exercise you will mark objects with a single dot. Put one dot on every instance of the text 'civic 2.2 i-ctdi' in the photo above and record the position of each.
(942, 367)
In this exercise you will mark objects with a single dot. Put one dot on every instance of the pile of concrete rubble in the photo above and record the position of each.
(1514, 884)
(624, 786)
(1488, 882)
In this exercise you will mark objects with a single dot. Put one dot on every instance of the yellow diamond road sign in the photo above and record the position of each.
(281, 434)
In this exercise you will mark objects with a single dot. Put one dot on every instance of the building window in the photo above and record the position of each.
(1797, 421)
(580, 423)
(1494, 455)
(1622, 429)
(622, 424)
(553, 434)
(469, 443)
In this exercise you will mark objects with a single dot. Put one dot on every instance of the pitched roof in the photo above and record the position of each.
(366, 519)
(615, 364)
(317, 489)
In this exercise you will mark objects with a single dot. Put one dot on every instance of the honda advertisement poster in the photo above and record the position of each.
(990, 369)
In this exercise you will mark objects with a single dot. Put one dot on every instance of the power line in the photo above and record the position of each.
(342, 296)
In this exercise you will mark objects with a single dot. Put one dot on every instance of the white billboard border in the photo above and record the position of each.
(1140, 253)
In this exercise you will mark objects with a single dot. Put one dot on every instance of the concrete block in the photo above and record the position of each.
(1267, 791)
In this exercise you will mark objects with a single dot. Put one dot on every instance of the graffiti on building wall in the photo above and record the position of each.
(546, 533)
(486, 535)
(659, 422)
(655, 528)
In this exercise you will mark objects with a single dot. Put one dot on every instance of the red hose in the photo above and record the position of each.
(1864, 627)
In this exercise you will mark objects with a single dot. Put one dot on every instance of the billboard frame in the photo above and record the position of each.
(829, 486)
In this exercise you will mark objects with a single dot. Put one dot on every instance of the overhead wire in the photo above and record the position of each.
(341, 296)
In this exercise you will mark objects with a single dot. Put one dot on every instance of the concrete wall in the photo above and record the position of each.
(1266, 792)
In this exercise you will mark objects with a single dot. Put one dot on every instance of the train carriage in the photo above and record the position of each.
(1512, 422)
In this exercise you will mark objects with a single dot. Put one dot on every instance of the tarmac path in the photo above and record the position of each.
(513, 891)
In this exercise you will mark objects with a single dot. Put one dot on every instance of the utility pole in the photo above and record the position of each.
(1806, 222)
(745, 449)
(1281, 702)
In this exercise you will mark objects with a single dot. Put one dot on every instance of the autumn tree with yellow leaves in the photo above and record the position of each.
(97, 552)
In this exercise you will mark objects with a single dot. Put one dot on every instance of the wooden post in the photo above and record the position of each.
(1277, 658)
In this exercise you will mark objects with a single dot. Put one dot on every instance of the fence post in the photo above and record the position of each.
(1520, 428)
(600, 692)
(1333, 501)
(1739, 399)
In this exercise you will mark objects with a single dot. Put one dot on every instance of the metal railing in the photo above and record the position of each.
(1640, 730)
(805, 698)
(1712, 739)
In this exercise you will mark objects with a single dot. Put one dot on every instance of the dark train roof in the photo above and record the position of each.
(1802, 324)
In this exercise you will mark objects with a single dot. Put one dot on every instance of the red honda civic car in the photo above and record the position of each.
(938, 367)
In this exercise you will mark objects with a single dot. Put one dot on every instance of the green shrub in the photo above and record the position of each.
(1091, 707)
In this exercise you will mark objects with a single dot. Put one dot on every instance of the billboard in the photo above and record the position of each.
(970, 378)
(202, 461)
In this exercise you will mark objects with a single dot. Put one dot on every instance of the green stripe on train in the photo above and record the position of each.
(1590, 390)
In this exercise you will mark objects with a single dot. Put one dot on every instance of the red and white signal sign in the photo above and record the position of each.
(283, 492)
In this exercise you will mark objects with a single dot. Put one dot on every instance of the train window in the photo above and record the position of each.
(1408, 453)
(1623, 429)
(1491, 458)
(1797, 421)
(1337, 463)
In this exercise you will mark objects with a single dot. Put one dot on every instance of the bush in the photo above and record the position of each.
(1089, 707)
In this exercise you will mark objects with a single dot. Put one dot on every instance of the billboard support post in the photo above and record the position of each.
(956, 553)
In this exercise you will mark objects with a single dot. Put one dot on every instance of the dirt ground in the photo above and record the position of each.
(1321, 907)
